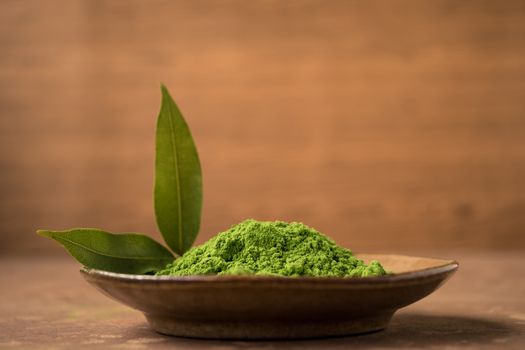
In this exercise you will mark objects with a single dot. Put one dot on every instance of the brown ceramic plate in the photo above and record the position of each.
(259, 307)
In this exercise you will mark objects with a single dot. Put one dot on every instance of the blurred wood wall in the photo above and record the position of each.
(389, 125)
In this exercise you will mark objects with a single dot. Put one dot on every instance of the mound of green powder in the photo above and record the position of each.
(271, 248)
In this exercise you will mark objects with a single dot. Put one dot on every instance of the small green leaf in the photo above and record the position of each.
(125, 253)
(178, 178)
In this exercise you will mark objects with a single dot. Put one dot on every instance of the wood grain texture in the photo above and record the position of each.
(386, 124)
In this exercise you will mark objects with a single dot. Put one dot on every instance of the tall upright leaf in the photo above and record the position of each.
(125, 253)
(178, 178)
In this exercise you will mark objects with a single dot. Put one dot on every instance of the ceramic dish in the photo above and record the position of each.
(257, 307)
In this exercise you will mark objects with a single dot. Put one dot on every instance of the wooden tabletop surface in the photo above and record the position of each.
(45, 304)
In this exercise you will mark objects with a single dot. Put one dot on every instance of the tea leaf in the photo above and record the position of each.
(178, 178)
(125, 253)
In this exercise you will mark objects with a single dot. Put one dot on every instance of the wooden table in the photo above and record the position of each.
(45, 304)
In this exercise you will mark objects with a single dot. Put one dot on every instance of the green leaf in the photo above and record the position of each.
(125, 253)
(178, 178)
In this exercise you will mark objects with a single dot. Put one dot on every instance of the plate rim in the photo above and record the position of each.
(448, 266)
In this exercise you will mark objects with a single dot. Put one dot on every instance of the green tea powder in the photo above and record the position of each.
(271, 248)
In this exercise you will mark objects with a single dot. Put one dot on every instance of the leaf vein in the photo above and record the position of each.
(177, 179)
(109, 255)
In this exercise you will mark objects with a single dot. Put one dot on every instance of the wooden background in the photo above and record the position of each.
(389, 125)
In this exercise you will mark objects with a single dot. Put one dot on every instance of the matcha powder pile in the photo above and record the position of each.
(271, 248)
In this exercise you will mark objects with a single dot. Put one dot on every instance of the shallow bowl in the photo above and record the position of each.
(264, 307)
